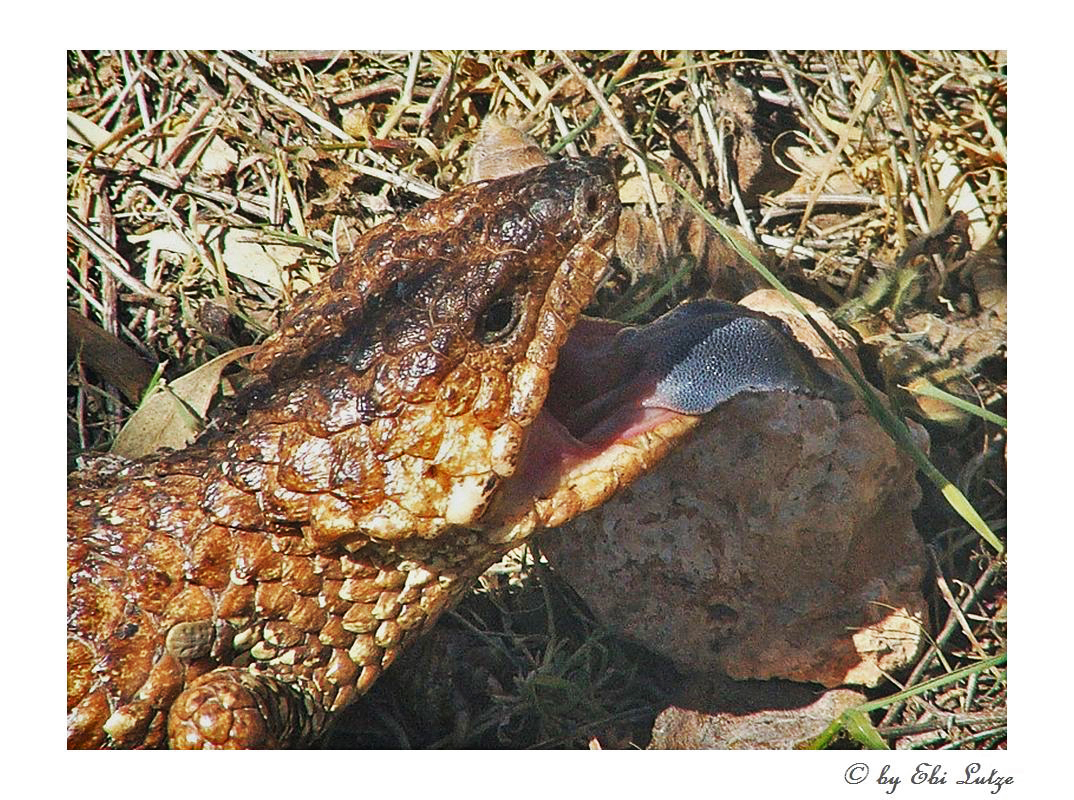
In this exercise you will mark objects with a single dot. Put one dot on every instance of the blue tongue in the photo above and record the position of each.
(710, 351)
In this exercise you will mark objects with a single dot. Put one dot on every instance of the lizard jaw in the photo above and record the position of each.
(594, 435)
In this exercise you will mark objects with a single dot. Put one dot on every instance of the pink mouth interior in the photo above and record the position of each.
(594, 401)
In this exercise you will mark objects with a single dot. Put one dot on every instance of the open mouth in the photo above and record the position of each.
(602, 390)
(621, 396)
(601, 424)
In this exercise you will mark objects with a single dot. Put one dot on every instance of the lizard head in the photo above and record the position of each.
(442, 385)
(400, 392)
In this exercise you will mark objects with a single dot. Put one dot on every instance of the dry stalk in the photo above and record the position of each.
(865, 98)
(949, 627)
(625, 138)
(405, 97)
(112, 261)
(800, 103)
(720, 145)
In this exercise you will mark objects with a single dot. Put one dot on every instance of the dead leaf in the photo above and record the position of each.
(633, 189)
(164, 418)
(962, 199)
(263, 262)
(502, 149)
(219, 158)
(84, 131)
(244, 254)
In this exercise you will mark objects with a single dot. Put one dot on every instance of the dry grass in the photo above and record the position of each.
(206, 189)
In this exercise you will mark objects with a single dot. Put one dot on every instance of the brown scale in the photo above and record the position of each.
(241, 592)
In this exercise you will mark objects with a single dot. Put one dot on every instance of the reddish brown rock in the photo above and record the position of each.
(777, 543)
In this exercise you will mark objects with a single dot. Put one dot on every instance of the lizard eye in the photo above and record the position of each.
(500, 319)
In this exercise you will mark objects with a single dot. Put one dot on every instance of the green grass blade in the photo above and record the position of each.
(857, 725)
(934, 683)
(855, 721)
(935, 392)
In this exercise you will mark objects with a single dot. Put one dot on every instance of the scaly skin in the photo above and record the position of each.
(240, 593)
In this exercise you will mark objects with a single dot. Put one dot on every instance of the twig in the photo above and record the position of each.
(117, 104)
(287, 56)
(949, 598)
(872, 77)
(418, 187)
(135, 78)
(835, 81)
(902, 108)
(971, 692)
(389, 84)
(949, 627)
(255, 57)
(830, 199)
(110, 259)
(528, 121)
(997, 731)
(799, 102)
(284, 100)
(804, 248)
(726, 143)
(415, 185)
(294, 208)
(564, 132)
(246, 202)
(617, 77)
(775, 98)
(195, 240)
(106, 224)
(513, 88)
(405, 97)
(184, 133)
(721, 146)
(942, 722)
(432, 105)
(625, 137)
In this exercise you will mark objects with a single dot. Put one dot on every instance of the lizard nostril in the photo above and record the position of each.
(592, 202)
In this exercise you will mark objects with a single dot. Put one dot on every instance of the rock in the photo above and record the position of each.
(777, 543)
(753, 715)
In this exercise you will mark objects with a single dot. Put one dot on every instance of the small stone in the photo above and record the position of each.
(770, 715)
